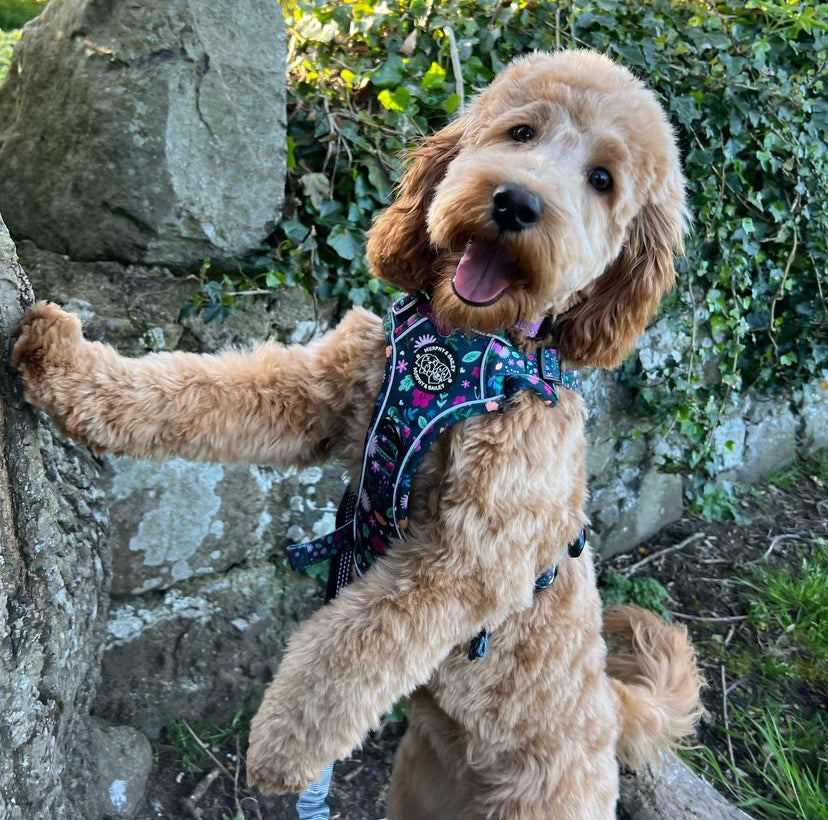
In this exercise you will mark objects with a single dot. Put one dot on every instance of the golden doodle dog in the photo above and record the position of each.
(558, 195)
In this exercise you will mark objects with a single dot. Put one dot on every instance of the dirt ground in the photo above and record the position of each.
(697, 562)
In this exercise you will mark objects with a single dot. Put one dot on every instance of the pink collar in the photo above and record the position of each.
(531, 328)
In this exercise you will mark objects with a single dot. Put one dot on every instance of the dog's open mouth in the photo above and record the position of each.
(483, 274)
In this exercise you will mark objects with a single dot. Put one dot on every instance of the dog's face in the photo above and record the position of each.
(558, 192)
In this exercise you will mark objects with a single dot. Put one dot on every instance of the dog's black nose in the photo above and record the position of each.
(514, 208)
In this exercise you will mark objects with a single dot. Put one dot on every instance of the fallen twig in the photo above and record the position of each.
(191, 803)
(255, 804)
(236, 779)
(726, 718)
(675, 548)
(777, 539)
(207, 749)
(724, 619)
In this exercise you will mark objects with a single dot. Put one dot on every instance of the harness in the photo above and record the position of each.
(432, 380)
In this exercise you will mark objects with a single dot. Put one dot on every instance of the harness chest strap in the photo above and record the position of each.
(431, 381)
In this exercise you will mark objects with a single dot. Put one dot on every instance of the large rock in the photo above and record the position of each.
(813, 410)
(178, 519)
(124, 758)
(54, 574)
(145, 132)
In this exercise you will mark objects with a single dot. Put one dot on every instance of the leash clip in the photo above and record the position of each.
(479, 646)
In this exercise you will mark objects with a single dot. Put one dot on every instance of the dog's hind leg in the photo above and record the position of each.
(430, 780)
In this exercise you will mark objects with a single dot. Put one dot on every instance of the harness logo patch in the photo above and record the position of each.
(434, 368)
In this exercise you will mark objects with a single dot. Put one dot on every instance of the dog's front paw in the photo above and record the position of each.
(46, 350)
(273, 768)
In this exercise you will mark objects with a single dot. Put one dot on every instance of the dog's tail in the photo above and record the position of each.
(654, 673)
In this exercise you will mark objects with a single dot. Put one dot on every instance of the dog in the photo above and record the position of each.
(557, 195)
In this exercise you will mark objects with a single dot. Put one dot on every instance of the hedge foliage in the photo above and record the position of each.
(7, 41)
(14, 13)
(745, 87)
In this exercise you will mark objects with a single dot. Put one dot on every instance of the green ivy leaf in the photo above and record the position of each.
(397, 100)
(435, 77)
(343, 242)
(391, 73)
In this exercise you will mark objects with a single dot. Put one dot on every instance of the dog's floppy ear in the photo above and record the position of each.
(601, 330)
(398, 249)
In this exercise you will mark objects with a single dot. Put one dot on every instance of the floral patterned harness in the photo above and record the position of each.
(431, 382)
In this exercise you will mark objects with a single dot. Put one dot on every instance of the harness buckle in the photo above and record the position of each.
(550, 365)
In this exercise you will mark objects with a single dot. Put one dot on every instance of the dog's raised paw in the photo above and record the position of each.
(264, 776)
(46, 337)
(272, 769)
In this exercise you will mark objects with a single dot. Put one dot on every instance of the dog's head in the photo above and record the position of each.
(558, 192)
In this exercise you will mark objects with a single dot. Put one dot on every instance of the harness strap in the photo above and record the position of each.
(339, 573)
(433, 379)
(480, 644)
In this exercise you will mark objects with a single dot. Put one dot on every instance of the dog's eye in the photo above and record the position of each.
(523, 133)
(600, 179)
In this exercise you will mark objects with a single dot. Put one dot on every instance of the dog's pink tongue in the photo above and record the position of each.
(482, 275)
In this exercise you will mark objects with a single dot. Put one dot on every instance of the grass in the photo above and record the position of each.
(790, 615)
(192, 746)
(815, 467)
(787, 611)
(776, 735)
(786, 778)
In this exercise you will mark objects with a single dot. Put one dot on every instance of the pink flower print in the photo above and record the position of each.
(475, 372)
(465, 383)
(404, 502)
(375, 465)
(533, 380)
(458, 400)
(406, 432)
(372, 446)
(365, 501)
(402, 366)
(422, 399)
